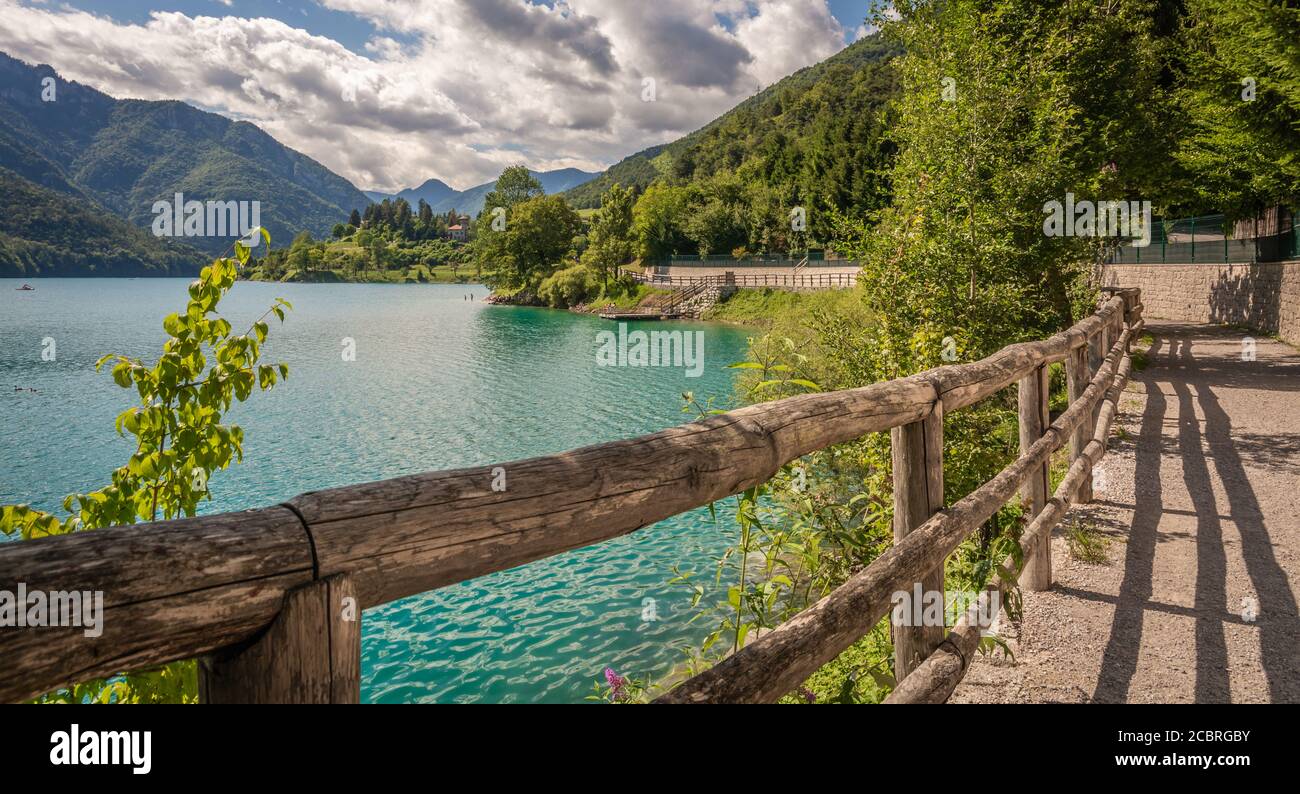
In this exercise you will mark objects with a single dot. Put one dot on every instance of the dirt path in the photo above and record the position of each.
(1200, 504)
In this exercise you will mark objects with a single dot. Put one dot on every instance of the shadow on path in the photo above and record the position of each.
(1119, 661)
(1208, 456)
(1278, 618)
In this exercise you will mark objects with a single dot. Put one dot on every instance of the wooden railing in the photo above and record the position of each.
(270, 600)
(681, 297)
(791, 281)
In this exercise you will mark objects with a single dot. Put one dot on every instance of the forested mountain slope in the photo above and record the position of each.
(816, 139)
(127, 154)
(44, 232)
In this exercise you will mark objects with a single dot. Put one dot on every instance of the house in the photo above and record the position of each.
(458, 226)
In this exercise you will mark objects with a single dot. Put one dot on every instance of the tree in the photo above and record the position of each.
(659, 220)
(611, 242)
(539, 233)
(426, 220)
(515, 186)
(403, 222)
(1002, 110)
(1242, 103)
(299, 257)
(354, 220)
(716, 223)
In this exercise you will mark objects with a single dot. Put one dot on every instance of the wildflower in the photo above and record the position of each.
(616, 684)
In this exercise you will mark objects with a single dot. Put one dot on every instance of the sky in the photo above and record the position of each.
(390, 93)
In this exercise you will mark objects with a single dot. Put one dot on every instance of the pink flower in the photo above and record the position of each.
(616, 683)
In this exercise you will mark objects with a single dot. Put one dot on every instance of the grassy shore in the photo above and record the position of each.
(770, 309)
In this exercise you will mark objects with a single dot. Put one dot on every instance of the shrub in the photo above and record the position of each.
(568, 287)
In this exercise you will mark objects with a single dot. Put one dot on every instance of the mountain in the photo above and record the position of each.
(124, 155)
(815, 139)
(435, 191)
(442, 198)
(471, 201)
(46, 232)
(637, 170)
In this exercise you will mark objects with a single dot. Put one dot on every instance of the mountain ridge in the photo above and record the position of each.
(123, 155)
(443, 198)
(49, 233)
(856, 78)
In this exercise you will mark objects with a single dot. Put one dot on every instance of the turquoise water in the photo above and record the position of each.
(439, 382)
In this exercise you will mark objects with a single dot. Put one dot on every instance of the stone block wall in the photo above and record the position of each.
(1263, 296)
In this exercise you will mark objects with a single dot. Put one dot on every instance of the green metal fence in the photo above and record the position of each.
(1210, 239)
(687, 259)
(813, 259)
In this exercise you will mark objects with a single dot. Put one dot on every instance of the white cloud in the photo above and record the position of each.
(454, 89)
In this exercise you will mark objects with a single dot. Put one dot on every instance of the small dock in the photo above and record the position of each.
(619, 315)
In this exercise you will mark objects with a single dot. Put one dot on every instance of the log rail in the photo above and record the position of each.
(270, 600)
(795, 281)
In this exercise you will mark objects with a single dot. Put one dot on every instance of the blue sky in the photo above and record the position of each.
(390, 93)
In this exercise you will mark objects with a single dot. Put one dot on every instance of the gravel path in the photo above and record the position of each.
(1199, 499)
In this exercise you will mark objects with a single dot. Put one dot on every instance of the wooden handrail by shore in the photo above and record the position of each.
(270, 600)
(784, 281)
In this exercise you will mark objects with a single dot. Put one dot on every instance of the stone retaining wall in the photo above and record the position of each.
(1263, 296)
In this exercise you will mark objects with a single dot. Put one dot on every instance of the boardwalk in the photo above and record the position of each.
(1200, 502)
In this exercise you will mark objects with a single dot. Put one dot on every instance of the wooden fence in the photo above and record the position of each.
(269, 600)
(787, 281)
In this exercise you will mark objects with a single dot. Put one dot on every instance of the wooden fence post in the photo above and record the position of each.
(1077, 378)
(311, 653)
(1034, 420)
(1098, 350)
(917, 452)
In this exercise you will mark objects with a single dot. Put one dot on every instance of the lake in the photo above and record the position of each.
(439, 382)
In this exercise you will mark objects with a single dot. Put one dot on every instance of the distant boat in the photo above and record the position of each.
(26, 288)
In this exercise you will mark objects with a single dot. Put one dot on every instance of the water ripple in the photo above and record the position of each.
(438, 382)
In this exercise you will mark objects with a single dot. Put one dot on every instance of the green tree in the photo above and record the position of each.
(1242, 104)
(515, 186)
(181, 442)
(538, 234)
(1000, 113)
(426, 220)
(611, 242)
(403, 222)
(659, 221)
(299, 257)
(717, 222)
